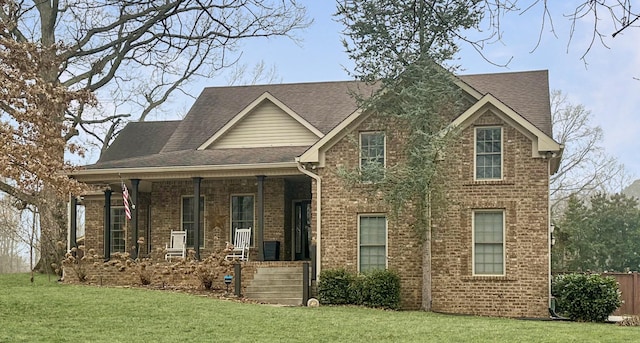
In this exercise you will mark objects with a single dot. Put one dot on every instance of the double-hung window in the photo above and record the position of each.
(118, 237)
(372, 241)
(488, 242)
(242, 214)
(488, 150)
(372, 155)
(189, 220)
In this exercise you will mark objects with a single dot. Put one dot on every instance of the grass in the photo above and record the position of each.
(50, 312)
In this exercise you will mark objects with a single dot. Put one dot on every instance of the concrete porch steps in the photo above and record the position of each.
(277, 285)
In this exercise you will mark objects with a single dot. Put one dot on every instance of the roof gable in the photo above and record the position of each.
(541, 141)
(266, 122)
(321, 104)
(532, 117)
(527, 93)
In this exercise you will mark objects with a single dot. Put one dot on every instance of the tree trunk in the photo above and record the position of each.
(53, 232)
(426, 272)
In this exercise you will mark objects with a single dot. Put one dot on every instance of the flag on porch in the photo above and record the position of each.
(125, 199)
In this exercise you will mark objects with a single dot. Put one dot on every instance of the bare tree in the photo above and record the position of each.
(585, 168)
(603, 18)
(132, 53)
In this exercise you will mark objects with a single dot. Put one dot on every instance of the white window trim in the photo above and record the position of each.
(473, 241)
(124, 230)
(204, 219)
(475, 153)
(253, 228)
(360, 146)
(386, 237)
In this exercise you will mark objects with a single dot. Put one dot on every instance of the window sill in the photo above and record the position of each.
(487, 278)
(489, 182)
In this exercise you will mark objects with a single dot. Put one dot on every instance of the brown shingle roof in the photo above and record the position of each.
(212, 157)
(140, 139)
(525, 92)
(323, 104)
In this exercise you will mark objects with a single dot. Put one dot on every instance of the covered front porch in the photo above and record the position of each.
(276, 207)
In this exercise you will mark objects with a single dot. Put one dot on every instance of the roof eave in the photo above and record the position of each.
(544, 143)
(184, 172)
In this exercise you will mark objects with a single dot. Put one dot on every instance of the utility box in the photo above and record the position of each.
(272, 250)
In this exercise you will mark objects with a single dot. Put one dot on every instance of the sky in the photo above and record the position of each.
(604, 84)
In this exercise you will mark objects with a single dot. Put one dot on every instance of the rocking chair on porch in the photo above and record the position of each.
(178, 246)
(241, 243)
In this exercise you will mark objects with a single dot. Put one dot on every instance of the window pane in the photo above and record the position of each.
(118, 223)
(373, 243)
(372, 149)
(488, 243)
(489, 153)
(189, 218)
(372, 230)
(372, 258)
(242, 214)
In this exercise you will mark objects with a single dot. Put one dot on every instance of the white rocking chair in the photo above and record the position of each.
(241, 243)
(178, 247)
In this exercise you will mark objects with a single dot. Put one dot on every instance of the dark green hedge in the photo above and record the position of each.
(379, 289)
(586, 297)
(334, 287)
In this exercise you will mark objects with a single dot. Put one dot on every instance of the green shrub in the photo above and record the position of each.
(334, 287)
(586, 297)
(379, 288)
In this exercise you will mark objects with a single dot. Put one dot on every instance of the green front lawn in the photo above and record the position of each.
(51, 312)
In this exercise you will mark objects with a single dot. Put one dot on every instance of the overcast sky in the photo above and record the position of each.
(605, 85)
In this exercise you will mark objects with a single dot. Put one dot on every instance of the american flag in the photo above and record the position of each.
(125, 199)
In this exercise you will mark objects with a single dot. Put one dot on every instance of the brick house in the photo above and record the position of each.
(266, 157)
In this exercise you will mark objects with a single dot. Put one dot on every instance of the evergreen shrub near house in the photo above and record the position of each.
(334, 287)
(379, 288)
(586, 297)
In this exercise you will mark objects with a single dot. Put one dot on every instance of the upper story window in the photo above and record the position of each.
(189, 219)
(372, 153)
(488, 153)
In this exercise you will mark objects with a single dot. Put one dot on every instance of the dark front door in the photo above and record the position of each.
(301, 229)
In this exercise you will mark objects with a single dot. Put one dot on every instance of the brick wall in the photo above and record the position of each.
(164, 204)
(522, 194)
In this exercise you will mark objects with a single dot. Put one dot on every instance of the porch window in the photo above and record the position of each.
(372, 155)
(372, 240)
(242, 214)
(488, 153)
(488, 242)
(189, 220)
(118, 222)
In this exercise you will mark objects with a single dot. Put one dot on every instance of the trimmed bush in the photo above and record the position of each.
(334, 287)
(586, 297)
(380, 288)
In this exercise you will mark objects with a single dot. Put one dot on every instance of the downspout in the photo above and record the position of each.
(550, 159)
(316, 177)
(549, 230)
